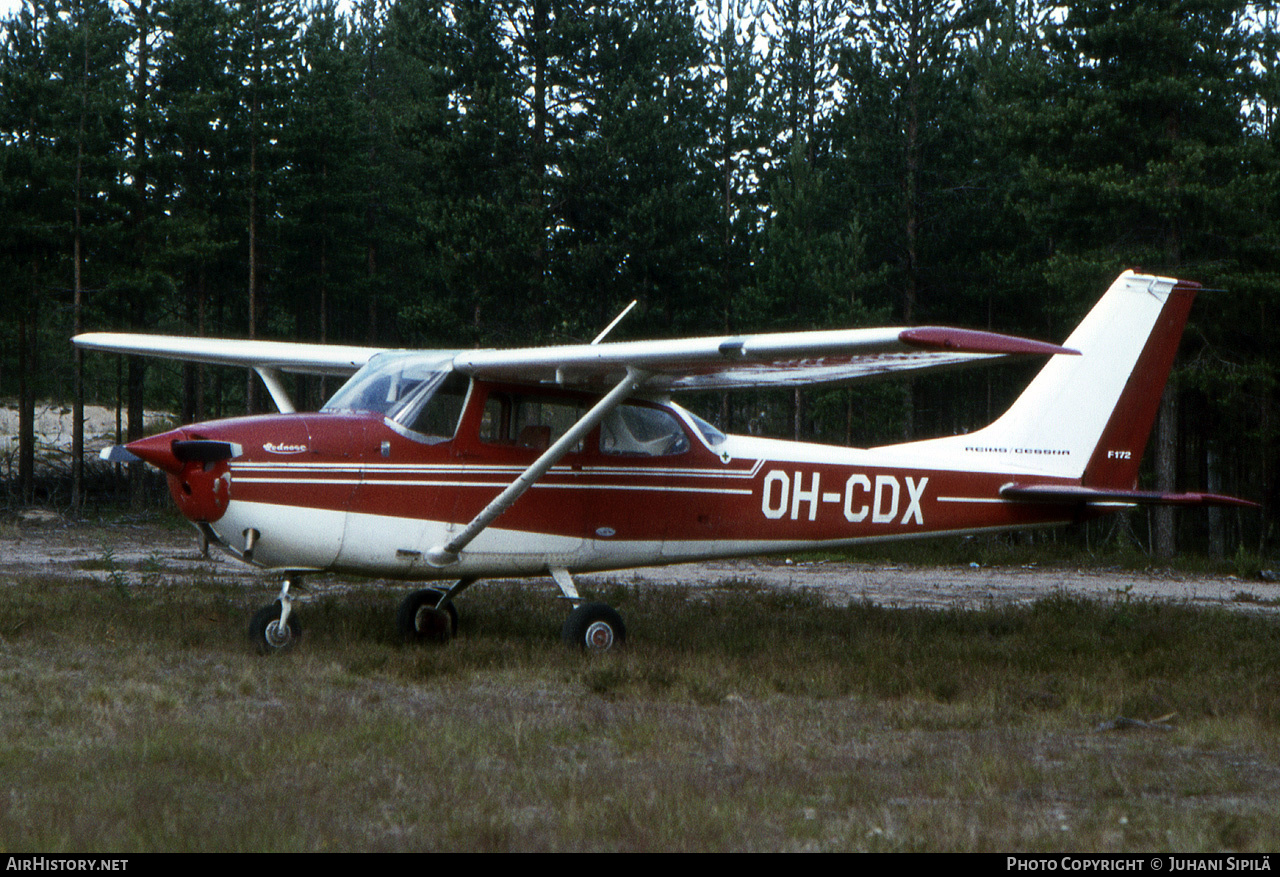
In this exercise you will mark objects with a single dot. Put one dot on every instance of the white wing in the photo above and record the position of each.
(717, 363)
(741, 361)
(287, 356)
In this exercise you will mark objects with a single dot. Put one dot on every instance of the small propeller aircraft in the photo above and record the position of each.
(458, 465)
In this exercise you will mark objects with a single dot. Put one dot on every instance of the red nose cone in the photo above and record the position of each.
(158, 451)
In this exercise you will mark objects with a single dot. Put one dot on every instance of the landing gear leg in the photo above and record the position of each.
(429, 615)
(594, 627)
(274, 628)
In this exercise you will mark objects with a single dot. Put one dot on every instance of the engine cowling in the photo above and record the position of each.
(197, 470)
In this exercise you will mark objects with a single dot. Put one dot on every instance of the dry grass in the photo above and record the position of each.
(135, 717)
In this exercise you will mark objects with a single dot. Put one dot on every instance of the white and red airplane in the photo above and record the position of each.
(464, 464)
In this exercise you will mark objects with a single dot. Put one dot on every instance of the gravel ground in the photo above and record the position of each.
(44, 543)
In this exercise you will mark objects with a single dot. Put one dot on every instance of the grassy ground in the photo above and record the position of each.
(134, 717)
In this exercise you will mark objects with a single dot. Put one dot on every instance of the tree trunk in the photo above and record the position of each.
(138, 303)
(137, 429)
(251, 388)
(1166, 471)
(1213, 483)
(26, 393)
(77, 404)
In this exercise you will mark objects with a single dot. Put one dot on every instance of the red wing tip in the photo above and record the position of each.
(976, 341)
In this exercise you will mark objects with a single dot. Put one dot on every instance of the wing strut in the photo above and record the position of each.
(275, 386)
(444, 555)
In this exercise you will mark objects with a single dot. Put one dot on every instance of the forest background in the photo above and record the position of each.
(453, 173)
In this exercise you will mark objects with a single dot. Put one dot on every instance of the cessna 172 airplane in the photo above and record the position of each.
(457, 465)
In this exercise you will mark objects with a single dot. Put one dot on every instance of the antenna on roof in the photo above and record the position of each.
(616, 321)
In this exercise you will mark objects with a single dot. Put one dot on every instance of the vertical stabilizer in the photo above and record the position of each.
(1088, 417)
(1119, 449)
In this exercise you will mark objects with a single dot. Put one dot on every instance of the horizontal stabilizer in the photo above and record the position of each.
(1067, 493)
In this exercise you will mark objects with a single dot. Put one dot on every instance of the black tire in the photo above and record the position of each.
(264, 630)
(594, 627)
(421, 618)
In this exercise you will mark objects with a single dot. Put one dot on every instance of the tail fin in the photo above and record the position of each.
(1088, 417)
(1119, 448)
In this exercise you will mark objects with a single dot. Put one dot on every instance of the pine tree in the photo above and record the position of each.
(1139, 138)
(264, 52)
(636, 187)
(321, 196)
(200, 225)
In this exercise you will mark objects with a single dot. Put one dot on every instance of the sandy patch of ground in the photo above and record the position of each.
(53, 433)
(46, 544)
(972, 587)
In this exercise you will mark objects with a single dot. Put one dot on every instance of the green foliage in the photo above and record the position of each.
(456, 173)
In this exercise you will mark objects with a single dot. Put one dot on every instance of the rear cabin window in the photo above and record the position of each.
(528, 421)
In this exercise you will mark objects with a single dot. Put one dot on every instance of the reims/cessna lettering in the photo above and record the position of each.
(457, 465)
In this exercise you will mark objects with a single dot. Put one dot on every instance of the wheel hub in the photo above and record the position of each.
(278, 637)
(431, 621)
(599, 636)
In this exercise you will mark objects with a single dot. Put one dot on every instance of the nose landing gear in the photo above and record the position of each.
(274, 628)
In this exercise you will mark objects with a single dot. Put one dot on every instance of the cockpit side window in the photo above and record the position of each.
(639, 431)
(437, 413)
(710, 434)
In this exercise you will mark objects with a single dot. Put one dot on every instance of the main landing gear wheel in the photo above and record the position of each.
(267, 634)
(422, 618)
(594, 627)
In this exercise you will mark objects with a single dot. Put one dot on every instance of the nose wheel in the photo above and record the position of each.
(269, 634)
(275, 628)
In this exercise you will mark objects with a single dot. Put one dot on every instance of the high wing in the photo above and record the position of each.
(285, 356)
(267, 358)
(717, 363)
(744, 361)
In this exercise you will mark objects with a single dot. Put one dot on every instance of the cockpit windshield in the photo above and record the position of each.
(418, 392)
(710, 434)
